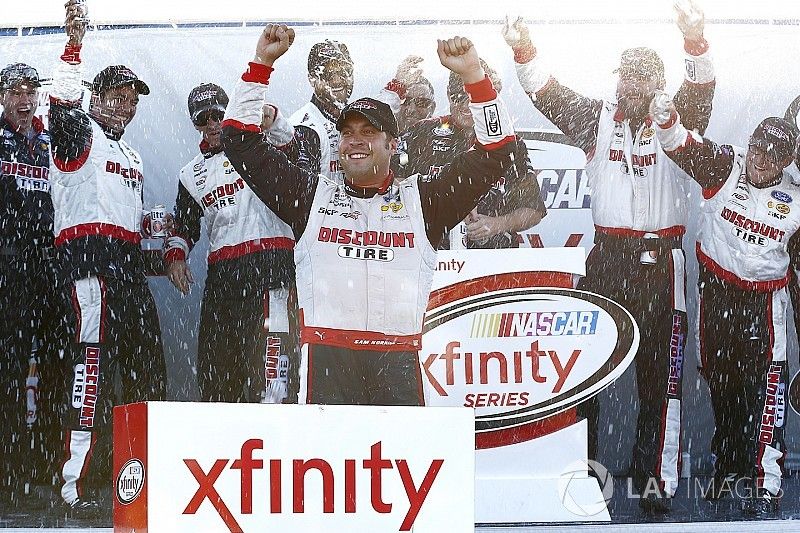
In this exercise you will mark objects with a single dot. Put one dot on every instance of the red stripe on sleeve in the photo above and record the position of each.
(258, 73)
(482, 91)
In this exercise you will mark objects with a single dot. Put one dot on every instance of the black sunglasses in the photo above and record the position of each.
(212, 114)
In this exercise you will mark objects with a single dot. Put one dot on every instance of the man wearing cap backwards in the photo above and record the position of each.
(26, 262)
(748, 237)
(365, 249)
(250, 263)
(640, 211)
(96, 185)
(512, 205)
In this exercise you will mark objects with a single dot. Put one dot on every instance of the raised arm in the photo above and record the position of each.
(285, 188)
(70, 129)
(693, 99)
(448, 199)
(708, 163)
(575, 115)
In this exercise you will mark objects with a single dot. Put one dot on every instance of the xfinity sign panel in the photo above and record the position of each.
(250, 467)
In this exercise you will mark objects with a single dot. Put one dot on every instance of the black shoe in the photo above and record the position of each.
(85, 509)
(763, 504)
(722, 485)
(654, 503)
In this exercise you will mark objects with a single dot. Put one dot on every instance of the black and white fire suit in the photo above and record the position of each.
(250, 272)
(637, 191)
(96, 186)
(29, 314)
(364, 256)
(748, 238)
(431, 144)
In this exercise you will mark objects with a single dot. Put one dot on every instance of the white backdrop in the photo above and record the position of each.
(757, 66)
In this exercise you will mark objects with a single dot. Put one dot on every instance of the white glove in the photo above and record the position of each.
(690, 19)
(516, 33)
(662, 108)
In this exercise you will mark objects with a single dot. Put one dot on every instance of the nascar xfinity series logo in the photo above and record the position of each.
(521, 355)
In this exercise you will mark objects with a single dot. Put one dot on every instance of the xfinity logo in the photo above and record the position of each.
(339, 482)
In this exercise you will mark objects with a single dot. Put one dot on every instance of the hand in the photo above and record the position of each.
(76, 21)
(690, 19)
(516, 34)
(409, 72)
(268, 115)
(481, 227)
(180, 276)
(662, 108)
(459, 55)
(168, 224)
(274, 41)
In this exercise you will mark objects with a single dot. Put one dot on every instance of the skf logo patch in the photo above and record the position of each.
(492, 118)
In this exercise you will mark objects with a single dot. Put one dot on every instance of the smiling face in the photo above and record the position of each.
(19, 104)
(333, 82)
(364, 151)
(115, 108)
(761, 166)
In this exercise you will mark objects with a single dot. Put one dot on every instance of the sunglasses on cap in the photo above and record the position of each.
(211, 114)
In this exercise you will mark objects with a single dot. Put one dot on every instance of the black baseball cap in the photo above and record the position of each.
(776, 137)
(116, 76)
(323, 53)
(16, 73)
(377, 113)
(206, 97)
(640, 62)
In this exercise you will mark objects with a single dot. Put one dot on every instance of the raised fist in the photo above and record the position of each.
(459, 55)
(273, 42)
(76, 21)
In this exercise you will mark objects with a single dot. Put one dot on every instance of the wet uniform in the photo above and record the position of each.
(747, 240)
(250, 271)
(637, 190)
(96, 186)
(364, 256)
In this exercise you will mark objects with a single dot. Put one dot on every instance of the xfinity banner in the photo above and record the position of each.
(249, 467)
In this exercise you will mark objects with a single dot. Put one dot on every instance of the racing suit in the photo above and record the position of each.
(250, 271)
(747, 240)
(96, 186)
(364, 256)
(26, 283)
(637, 193)
(317, 139)
(431, 144)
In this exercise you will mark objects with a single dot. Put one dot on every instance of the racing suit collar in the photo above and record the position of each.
(368, 192)
(326, 109)
(207, 151)
(36, 125)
